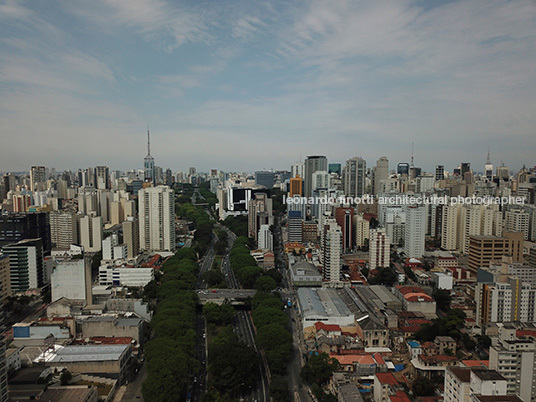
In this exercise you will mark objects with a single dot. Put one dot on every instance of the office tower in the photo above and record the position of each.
(131, 236)
(362, 230)
(69, 280)
(264, 178)
(102, 177)
(117, 214)
(5, 278)
(90, 233)
(415, 231)
(148, 162)
(297, 169)
(483, 249)
(259, 213)
(465, 167)
(295, 226)
(439, 172)
(63, 229)
(320, 180)
(344, 216)
(296, 186)
(266, 239)
(312, 164)
(38, 178)
(334, 168)
(157, 218)
(381, 173)
(32, 225)
(379, 249)
(403, 168)
(354, 176)
(26, 264)
(331, 251)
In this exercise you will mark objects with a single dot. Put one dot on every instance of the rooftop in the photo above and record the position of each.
(88, 353)
(488, 375)
(462, 373)
(386, 378)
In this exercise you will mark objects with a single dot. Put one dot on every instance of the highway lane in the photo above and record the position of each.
(243, 327)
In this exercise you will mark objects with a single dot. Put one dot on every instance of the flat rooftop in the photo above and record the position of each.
(86, 353)
(321, 301)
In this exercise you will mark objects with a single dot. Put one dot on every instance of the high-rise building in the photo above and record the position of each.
(344, 216)
(439, 172)
(148, 162)
(297, 169)
(296, 186)
(259, 213)
(26, 264)
(265, 178)
(331, 251)
(517, 220)
(320, 180)
(5, 278)
(38, 178)
(295, 226)
(415, 231)
(131, 236)
(362, 230)
(312, 164)
(511, 301)
(157, 219)
(379, 249)
(403, 168)
(354, 177)
(21, 202)
(483, 249)
(334, 168)
(63, 229)
(90, 233)
(380, 173)
(266, 239)
(102, 177)
(514, 358)
(32, 225)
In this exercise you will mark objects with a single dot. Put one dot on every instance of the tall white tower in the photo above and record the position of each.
(157, 218)
(148, 162)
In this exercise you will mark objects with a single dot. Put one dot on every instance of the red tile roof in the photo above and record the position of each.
(386, 378)
(475, 363)
(326, 327)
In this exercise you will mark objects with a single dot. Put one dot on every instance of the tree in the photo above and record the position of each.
(265, 283)
(421, 386)
(279, 389)
(443, 299)
(319, 369)
(219, 315)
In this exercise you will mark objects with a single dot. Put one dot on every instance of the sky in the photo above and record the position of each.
(250, 85)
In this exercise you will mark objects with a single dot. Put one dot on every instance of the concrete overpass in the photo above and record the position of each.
(234, 297)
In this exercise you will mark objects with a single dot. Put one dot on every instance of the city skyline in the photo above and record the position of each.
(270, 82)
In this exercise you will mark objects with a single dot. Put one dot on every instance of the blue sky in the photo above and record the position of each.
(247, 85)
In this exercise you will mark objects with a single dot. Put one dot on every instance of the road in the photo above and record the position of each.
(243, 327)
(133, 390)
(298, 390)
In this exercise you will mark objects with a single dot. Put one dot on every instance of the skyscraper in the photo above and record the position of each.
(345, 217)
(381, 173)
(148, 162)
(488, 167)
(37, 178)
(102, 177)
(379, 249)
(415, 231)
(26, 264)
(331, 251)
(312, 164)
(440, 172)
(157, 218)
(354, 175)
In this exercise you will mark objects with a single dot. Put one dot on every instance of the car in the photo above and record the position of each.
(204, 336)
